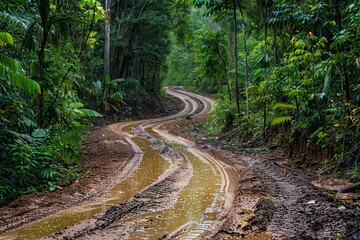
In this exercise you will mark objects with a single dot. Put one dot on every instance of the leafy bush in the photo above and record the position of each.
(223, 116)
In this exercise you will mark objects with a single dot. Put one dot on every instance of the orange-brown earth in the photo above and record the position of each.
(269, 194)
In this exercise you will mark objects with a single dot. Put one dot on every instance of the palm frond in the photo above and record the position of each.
(10, 63)
(11, 70)
(11, 19)
(25, 83)
(118, 96)
(285, 106)
(281, 120)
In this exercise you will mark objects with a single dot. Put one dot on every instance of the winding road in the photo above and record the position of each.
(169, 189)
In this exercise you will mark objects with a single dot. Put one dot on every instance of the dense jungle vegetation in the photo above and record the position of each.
(282, 70)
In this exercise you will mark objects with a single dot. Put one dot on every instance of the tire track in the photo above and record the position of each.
(167, 187)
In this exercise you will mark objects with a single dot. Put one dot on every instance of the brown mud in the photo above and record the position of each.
(105, 151)
(276, 197)
(270, 195)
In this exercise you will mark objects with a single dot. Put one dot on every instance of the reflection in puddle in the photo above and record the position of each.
(151, 167)
(192, 215)
(198, 203)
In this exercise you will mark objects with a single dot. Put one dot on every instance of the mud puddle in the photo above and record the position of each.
(194, 213)
(151, 167)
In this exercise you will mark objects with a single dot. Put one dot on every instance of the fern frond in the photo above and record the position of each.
(11, 19)
(281, 120)
(286, 106)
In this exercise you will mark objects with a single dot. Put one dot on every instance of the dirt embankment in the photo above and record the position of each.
(105, 152)
(275, 197)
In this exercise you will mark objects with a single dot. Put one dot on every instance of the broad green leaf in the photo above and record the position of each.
(118, 96)
(25, 83)
(5, 39)
(10, 63)
(19, 80)
(96, 87)
(39, 133)
(341, 208)
(28, 122)
(76, 105)
(90, 113)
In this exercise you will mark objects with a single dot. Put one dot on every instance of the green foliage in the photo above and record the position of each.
(284, 106)
(5, 39)
(281, 120)
(339, 236)
(222, 118)
(11, 70)
(303, 66)
(42, 121)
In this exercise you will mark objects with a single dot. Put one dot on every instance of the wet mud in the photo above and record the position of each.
(267, 199)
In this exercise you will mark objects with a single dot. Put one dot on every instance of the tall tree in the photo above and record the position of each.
(107, 50)
(220, 9)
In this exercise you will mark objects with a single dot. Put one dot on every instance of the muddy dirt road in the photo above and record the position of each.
(151, 179)
(167, 189)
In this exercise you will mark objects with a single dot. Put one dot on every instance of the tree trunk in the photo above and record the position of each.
(107, 51)
(235, 59)
(245, 61)
(265, 70)
(226, 72)
(107, 38)
(344, 66)
(42, 74)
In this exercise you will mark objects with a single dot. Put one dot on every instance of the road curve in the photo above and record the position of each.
(160, 207)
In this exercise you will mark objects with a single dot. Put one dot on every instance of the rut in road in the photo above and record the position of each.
(167, 189)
